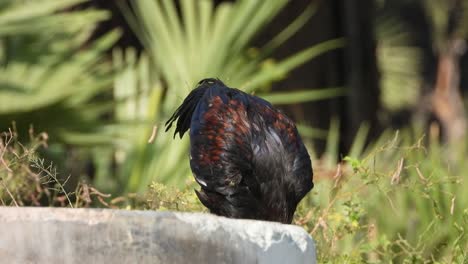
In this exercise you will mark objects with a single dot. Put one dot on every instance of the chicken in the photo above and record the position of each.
(246, 155)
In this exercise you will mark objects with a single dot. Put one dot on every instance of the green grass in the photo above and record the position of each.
(403, 202)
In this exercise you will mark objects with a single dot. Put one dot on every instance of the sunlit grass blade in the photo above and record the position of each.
(333, 143)
(302, 95)
(357, 148)
(280, 69)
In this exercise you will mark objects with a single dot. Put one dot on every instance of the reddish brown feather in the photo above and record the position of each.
(233, 117)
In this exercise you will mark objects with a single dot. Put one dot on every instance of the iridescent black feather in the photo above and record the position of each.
(247, 156)
(185, 110)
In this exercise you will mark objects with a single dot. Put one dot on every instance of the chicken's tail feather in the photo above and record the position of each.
(183, 114)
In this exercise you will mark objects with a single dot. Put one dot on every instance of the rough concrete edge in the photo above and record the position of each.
(250, 230)
(266, 234)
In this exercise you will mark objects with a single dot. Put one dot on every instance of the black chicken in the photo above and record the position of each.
(247, 156)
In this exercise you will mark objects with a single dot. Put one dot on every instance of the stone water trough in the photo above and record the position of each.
(61, 235)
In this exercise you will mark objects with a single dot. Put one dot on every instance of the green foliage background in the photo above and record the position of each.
(63, 94)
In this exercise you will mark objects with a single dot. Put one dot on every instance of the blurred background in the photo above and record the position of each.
(377, 87)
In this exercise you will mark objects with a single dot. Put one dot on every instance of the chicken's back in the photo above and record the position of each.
(247, 156)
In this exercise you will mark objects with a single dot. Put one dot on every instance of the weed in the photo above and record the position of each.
(403, 203)
(26, 179)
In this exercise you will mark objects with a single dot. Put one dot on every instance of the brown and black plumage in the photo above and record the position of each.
(247, 156)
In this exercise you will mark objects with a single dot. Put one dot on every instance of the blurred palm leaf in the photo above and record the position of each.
(399, 64)
(202, 41)
(47, 78)
(448, 19)
(400, 60)
(300, 96)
